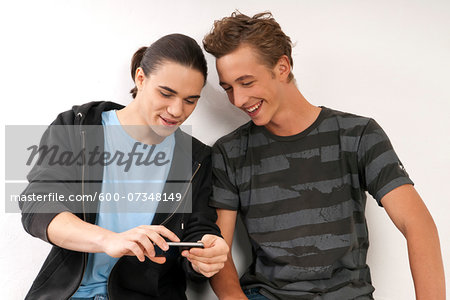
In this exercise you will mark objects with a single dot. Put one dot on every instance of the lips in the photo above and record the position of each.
(169, 122)
(254, 109)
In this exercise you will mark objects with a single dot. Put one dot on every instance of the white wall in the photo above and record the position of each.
(388, 59)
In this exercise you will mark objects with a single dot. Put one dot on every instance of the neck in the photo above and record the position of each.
(135, 125)
(295, 113)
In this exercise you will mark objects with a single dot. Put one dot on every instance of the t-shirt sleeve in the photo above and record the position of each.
(380, 169)
(225, 192)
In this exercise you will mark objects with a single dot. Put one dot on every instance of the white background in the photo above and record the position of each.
(387, 59)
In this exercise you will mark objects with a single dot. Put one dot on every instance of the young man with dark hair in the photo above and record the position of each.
(298, 174)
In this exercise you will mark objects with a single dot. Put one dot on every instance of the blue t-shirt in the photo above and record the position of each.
(124, 183)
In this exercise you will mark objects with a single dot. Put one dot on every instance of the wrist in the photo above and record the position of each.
(101, 240)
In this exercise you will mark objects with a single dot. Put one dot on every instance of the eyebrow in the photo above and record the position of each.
(176, 93)
(243, 77)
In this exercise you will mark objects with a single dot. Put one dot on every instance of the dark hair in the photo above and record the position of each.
(261, 32)
(176, 48)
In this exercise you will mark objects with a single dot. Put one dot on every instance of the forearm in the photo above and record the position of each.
(70, 232)
(412, 218)
(226, 283)
(426, 261)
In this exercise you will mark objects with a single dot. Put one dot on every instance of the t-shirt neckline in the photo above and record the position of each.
(322, 115)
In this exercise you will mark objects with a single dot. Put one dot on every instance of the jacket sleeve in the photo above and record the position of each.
(50, 176)
(203, 217)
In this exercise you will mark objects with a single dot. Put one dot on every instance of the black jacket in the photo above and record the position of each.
(62, 271)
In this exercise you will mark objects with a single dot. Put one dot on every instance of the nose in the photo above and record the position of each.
(238, 98)
(175, 108)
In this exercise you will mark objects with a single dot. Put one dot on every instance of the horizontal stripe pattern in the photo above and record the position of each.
(302, 199)
(301, 217)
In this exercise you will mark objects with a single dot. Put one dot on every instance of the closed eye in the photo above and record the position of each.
(190, 101)
(247, 83)
(165, 94)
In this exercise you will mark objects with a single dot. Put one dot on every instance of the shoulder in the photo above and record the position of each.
(200, 151)
(350, 129)
(339, 120)
(347, 125)
(65, 118)
(190, 144)
(89, 112)
(235, 138)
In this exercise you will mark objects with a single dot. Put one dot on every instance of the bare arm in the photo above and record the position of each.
(68, 231)
(408, 212)
(226, 283)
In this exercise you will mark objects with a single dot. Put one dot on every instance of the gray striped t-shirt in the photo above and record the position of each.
(302, 199)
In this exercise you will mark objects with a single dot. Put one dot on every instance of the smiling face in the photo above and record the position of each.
(250, 84)
(167, 96)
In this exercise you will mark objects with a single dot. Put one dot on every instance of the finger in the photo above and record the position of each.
(158, 240)
(207, 274)
(162, 230)
(208, 240)
(205, 252)
(210, 274)
(146, 245)
(208, 260)
(136, 250)
(207, 269)
(158, 260)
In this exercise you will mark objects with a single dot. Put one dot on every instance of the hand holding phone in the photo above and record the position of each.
(210, 259)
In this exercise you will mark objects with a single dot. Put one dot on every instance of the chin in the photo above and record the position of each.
(165, 132)
(260, 121)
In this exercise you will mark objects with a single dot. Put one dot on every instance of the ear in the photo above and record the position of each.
(283, 68)
(139, 78)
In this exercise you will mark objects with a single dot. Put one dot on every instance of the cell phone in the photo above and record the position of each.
(186, 245)
(176, 247)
